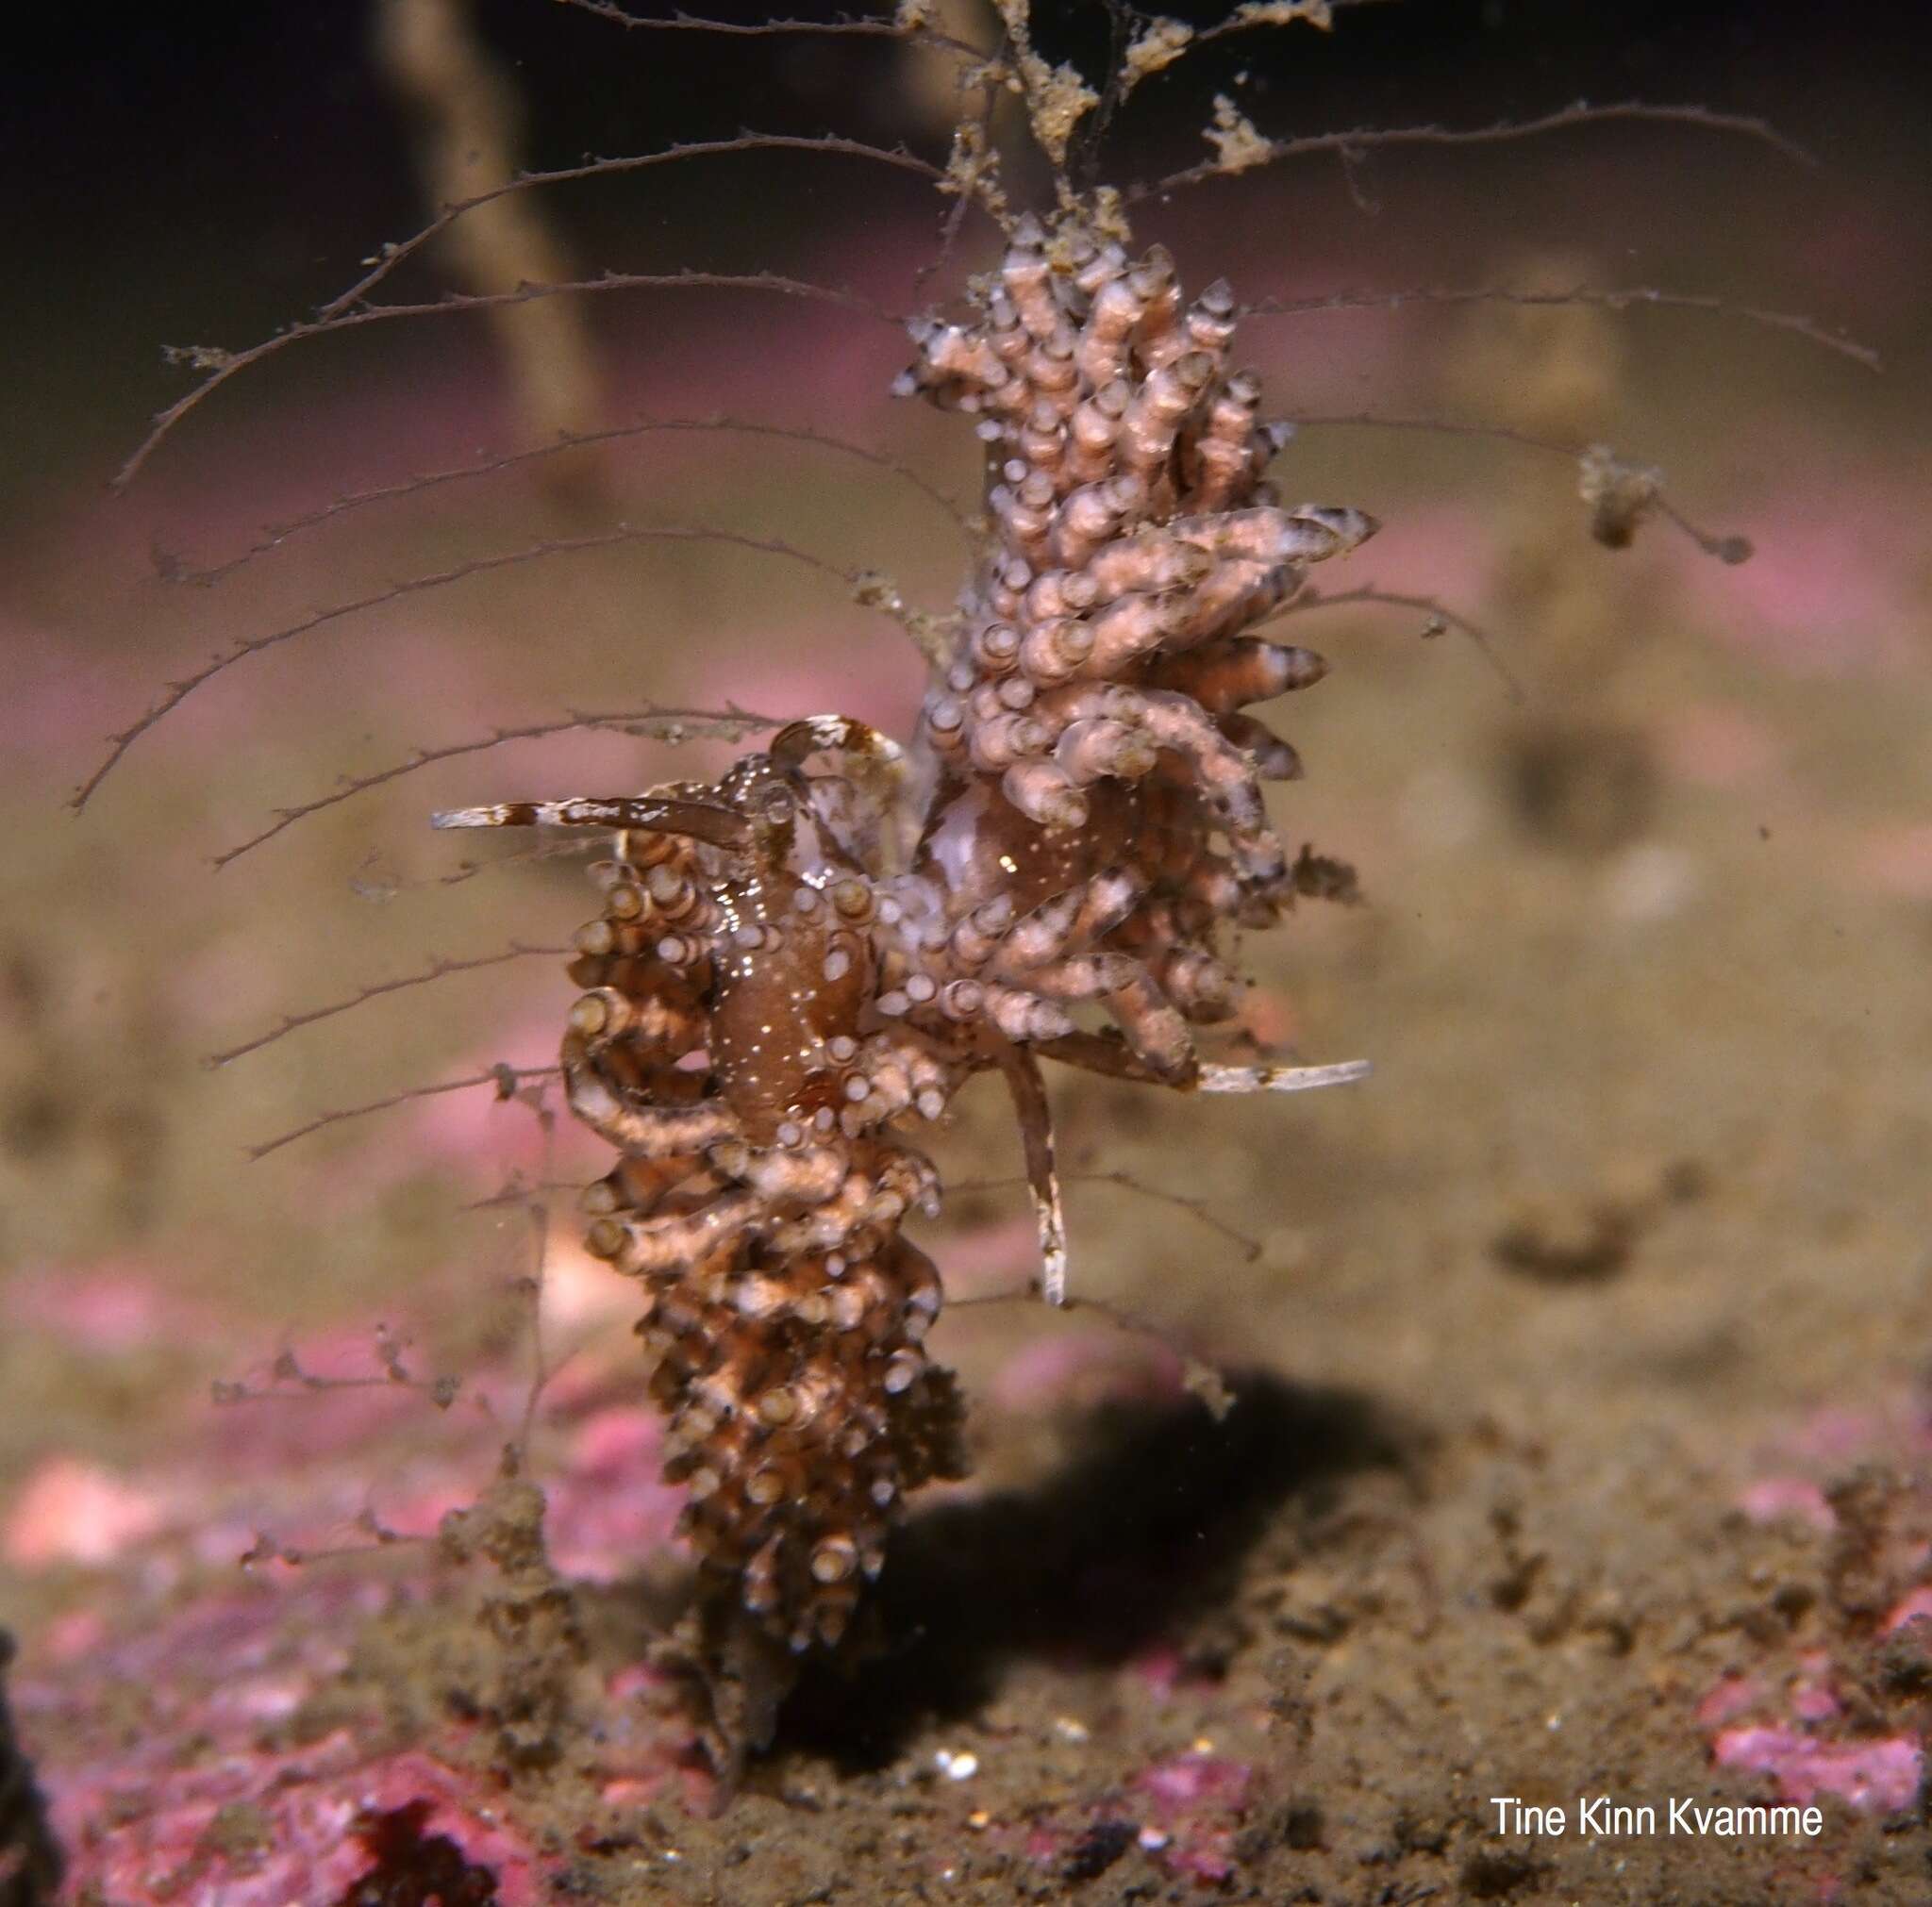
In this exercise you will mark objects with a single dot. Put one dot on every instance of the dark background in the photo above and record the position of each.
(211, 171)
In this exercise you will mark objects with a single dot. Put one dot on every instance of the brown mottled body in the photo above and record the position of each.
(722, 1043)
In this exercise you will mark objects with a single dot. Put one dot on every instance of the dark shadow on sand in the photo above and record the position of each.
(1141, 1535)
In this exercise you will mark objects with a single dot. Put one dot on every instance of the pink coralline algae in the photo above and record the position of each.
(71, 1511)
(1880, 1776)
(1855, 1479)
(170, 1774)
(1183, 1814)
(193, 1730)
(1772, 1500)
(1193, 1805)
(30, 1866)
(330, 1443)
(288, 1831)
(607, 1508)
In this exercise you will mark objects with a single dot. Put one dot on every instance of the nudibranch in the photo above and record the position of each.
(790, 965)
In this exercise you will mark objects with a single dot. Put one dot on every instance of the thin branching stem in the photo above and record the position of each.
(178, 692)
(973, 175)
(1729, 548)
(391, 256)
(1245, 17)
(1366, 139)
(1204, 1380)
(518, 1193)
(1199, 1208)
(540, 850)
(651, 722)
(1620, 299)
(278, 534)
(288, 1377)
(1440, 617)
(498, 1078)
(222, 365)
(538, 1209)
(761, 29)
(439, 969)
(1441, 427)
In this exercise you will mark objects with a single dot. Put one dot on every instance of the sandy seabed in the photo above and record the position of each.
(1570, 1533)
